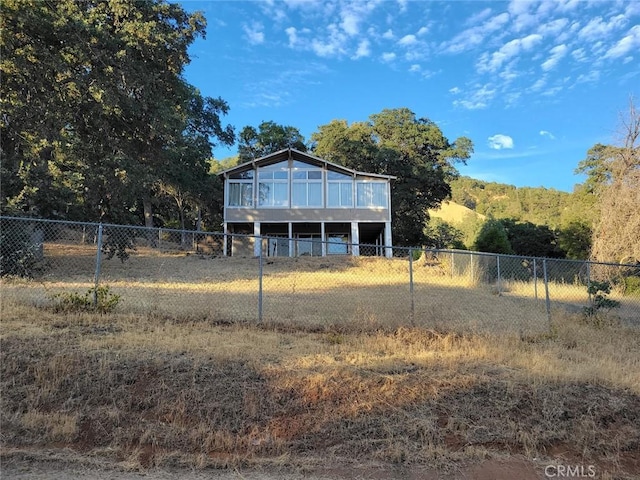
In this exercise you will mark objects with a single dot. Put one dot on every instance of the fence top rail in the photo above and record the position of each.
(408, 250)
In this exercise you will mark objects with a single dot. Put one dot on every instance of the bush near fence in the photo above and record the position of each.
(185, 273)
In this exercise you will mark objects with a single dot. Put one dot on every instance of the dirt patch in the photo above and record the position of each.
(56, 466)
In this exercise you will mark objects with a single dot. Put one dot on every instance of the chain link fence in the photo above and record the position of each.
(190, 275)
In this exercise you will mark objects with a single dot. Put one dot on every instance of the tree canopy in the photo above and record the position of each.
(396, 142)
(615, 173)
(268, 138)
(95, 112)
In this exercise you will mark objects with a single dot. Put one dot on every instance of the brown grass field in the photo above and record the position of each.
(336, 377)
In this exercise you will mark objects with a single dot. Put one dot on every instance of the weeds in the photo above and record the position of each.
(96, 299)
(601, 304)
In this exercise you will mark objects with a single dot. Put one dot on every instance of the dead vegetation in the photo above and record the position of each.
(162, 390)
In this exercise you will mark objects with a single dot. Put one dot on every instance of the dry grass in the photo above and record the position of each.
(338, 372)
(314, 291)
(150, 390)
(453, 212)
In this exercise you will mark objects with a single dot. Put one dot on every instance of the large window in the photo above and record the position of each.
(372, 194)
(240, 189)
(306, 188)
(273, 185)
(339, 190)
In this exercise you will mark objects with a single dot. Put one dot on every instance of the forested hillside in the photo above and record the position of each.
(506, 219)
(539, 205)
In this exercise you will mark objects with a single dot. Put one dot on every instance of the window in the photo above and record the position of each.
(338, 245)
(273, 185)
(372, 194)
(306, 188)
(240, 189)
(339, 190)
(240, 194)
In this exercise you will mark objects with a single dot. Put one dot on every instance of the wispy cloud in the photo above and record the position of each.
(474, 36)
(364, 49)
(254, 33)
(627, 44)
(493, 62)
(408, 40)
(557, 53)
(500, 142)
(547, 134)
(599, 28)
(388, 57)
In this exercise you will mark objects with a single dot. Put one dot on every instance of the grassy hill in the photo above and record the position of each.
(538, 205)
(454, 213)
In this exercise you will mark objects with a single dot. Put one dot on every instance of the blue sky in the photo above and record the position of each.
(534, 84)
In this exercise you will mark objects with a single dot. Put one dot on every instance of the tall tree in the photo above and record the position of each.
(94, 103)
(395, 142)
(532, 240)
(493, 238)
(617, 234)
(268, 138)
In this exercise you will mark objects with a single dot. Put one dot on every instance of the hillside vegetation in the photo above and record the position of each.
(539, 205)
(526, 221)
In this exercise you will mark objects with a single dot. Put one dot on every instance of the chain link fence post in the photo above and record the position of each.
(589, 282)
(96, 278)
(546, 289)
(498, 280)
(260, 275)
(535, 279)
(411, 292)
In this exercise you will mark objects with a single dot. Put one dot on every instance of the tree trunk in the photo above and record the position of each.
(148, 221)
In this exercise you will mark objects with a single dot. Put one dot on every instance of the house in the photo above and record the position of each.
(303, 205)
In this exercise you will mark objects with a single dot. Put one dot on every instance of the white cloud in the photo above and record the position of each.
(388, 35)
(423, 31)
(541, 82)
(567, 5)
(478, 17)
(548, 134)
(552, 91)
(350, 23)
(509, 50)
(597, 28)
(553, 28)
(408, 40)
(522, 14)
(557, 53)
(474, 36)
(254, 33)
(500, 141)
(388, 57)
(334, 45)
(292, 33)
(592, 76)
(414, 68)
(363, 50)
(454, 90)
(629, 43)
(579, 55)
(479, 99)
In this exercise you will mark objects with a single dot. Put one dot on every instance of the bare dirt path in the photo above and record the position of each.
(21, 467)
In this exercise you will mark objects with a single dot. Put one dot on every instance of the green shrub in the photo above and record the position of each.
(96, 299)
(601, 304)
(631, 286)
(19, 253)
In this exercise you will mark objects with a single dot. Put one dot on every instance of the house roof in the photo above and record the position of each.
(292, 153)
